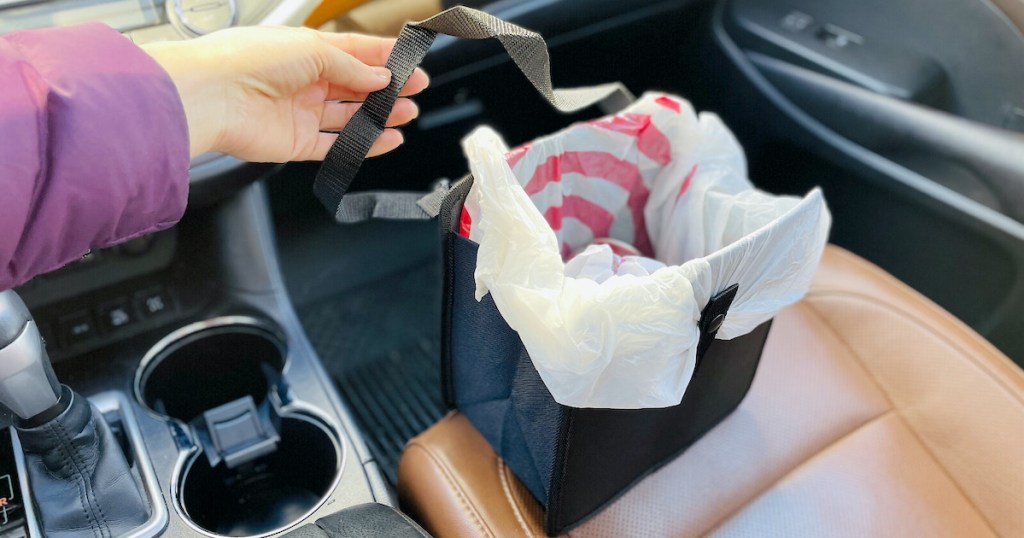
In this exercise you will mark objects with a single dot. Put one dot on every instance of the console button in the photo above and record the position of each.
(116, 315)
(76, 327)
(153, 303)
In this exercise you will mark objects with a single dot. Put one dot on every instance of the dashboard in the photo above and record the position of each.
(153, 20)
(119, 292)
(149, 21)
(108, 295)
(122, 15)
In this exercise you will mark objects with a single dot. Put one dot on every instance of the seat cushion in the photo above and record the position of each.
(874, 412)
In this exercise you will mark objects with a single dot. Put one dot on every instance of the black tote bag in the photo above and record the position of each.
(574, 461)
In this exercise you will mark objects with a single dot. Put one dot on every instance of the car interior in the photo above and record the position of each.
(267, 371)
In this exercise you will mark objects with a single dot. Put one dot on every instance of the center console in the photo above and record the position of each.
(224, 412)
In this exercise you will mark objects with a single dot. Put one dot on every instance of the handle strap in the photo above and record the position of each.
(363, 206)
(527, 49)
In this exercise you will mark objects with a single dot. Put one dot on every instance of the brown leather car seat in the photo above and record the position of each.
(874, 413)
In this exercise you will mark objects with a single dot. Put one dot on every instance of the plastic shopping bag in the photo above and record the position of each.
(601, 244)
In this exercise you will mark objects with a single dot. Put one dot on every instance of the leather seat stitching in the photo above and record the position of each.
(827, 446)
(467, 506)
(1012, 392)
(502, 474)
(885, 393)
(894, 283)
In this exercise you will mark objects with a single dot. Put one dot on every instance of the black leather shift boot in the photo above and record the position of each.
(79, 477)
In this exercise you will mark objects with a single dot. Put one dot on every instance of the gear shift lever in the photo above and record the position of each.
(28, 386)
(79, 477)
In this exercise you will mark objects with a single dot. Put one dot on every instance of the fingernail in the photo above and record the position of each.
(382, 72)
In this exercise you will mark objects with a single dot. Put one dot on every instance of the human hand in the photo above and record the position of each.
(267, 93)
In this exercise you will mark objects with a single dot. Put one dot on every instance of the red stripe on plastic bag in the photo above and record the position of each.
(465, 223)
(590, 164)
(593, 216)
(649, 140)
(686, 182)
(598, 165)
(512, 157)
(554, 217)
(669, 103)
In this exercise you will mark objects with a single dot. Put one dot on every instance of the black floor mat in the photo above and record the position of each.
(379, 335)
(395, 398)
(380, 346)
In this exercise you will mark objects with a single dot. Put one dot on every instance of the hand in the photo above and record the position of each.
(267, 93)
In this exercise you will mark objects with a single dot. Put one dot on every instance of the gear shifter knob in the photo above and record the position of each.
(28, 386)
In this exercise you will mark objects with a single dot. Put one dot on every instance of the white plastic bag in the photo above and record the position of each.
(670, 183)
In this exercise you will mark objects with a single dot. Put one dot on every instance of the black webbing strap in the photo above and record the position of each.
(363, 206)
(527, 49)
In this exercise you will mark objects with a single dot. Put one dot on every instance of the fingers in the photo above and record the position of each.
(388, 140)
(370, 50)
(342, 70)
(417, 83)
(353, 69)
(337, 115)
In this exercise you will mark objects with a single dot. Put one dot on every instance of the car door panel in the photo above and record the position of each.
(924, 171)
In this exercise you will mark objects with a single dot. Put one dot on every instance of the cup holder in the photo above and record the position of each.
(268, 494)
(201, 372)
(210, 367)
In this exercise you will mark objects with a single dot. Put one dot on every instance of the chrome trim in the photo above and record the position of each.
(27, 383)
(178, 337)
(8, 4)
(179, 12)
(295, 409)
(106, 402)
(14, 315)
(295, 412)
(34, 530)
(117, 402)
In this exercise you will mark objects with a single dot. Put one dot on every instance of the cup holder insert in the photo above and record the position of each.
(202, 368)
(267, 494)
(209, 368)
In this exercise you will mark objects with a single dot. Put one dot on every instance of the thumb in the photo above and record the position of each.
(344, 70)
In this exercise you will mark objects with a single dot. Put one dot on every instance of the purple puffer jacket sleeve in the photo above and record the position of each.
(93, 147)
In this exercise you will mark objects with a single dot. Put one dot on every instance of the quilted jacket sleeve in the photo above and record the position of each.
(93, 147)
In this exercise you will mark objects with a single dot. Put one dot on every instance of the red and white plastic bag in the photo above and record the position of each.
(602, 243)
